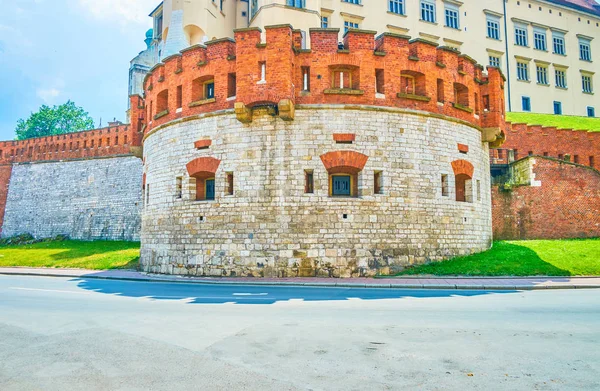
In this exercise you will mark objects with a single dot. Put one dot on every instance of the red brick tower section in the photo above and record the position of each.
(389, 71)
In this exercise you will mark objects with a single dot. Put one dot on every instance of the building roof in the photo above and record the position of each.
(589, 6)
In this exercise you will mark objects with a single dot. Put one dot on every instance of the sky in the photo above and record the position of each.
(52, 51)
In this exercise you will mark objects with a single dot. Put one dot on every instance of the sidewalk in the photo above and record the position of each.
(487, 283)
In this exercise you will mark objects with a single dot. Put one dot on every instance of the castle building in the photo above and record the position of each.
(267, 158)
(545, 48)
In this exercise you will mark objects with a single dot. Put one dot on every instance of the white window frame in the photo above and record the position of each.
(585, 49)
(428, 11)
(397, 7)
(558, 43)
(540, 41)
(522, 71)
(493, 26)
(451, 12)
(560, 78)
(587, 83)
(494, 61)
(521, 35)
(542, 74)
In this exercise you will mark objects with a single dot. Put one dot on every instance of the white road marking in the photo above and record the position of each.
(250, 294)
(48, 290)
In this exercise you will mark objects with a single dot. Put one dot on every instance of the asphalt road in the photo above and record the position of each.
(77, 334)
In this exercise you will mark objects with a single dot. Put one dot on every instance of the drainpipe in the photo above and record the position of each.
(507, 55)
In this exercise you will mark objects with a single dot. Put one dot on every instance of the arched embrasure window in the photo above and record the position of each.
(343, 168)
(463, 175)
(203, 170)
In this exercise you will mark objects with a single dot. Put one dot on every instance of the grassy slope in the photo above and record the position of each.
(560, 121)
(523, 258)
(73, 254)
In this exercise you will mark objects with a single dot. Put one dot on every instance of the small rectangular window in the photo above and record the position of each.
(209, 90)
(396, 7)
(445, 190)
(178, 187)
(440, 90)
(231, 85)
(585, 51)
(521, 35)
(494, 61)
(324, 22)
(148, 194)
(522, 71)
(493, 26)
(179, 97)
(576, 159)
(539, 39)
(309, 185)
(378, 182)
(586, 84)
(349, 25)
(526, 103)
(591, 112)
(478, 190)
(452, 16)
(262, 68)
(542, 75)
(341, 185)
(561, 78)
(379, 81)
(305, 78)
(558, 43)
(230, 183)
(428, 11)
(591, 161)
(557, 108)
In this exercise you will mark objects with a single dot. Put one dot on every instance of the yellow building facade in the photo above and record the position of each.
(546, 49)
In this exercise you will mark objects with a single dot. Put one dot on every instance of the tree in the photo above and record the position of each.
(49, 121)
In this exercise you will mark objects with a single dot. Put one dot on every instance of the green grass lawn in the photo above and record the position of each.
(73, 254)
(560, 121)
(523, 258)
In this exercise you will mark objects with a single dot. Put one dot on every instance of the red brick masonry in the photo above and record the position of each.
(566, 205)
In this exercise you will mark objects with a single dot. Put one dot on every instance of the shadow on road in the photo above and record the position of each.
(252, 294)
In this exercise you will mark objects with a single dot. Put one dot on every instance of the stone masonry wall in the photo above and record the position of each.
(548, 199)
(269, 226)
(95, 199)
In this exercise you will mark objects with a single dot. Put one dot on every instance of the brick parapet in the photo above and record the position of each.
(110, 141)
(578, 145)
(362, 56)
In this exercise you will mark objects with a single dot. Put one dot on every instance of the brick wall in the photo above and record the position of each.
(582, 147)
(109, 141)
(549, 199)
(5, 172)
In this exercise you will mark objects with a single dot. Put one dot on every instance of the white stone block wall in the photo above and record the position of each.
(95, 199)
(270, 227)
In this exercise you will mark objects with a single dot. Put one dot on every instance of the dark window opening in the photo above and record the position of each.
(463, 188)
(378, 182)
(231, 85)
(309, 185)
(229, 183)
(379, 81)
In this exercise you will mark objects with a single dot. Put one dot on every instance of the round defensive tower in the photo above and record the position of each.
(265, 159)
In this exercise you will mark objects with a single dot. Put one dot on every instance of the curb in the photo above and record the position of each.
(315, 284)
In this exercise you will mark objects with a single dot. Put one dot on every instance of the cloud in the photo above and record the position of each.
(120, 11)
(48, 95)
(49, 91)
